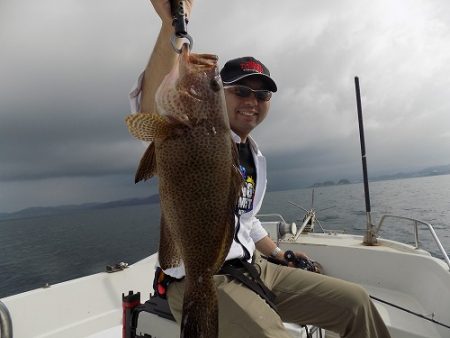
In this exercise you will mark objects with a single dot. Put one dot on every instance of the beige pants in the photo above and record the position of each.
(302, 297)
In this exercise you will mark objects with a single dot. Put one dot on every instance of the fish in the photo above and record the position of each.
(196, 161)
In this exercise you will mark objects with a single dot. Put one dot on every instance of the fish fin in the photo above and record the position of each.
(169, 255)
(147, 165)
(200, 316)
(148, 127)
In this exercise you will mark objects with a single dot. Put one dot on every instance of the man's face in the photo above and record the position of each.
(245, 113)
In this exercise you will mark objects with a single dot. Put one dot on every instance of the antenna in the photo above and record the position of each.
(370, 237)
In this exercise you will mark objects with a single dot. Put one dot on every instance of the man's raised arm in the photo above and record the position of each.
(163, 56)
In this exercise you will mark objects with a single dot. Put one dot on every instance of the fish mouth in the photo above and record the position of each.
(205, 60)
(200, 68)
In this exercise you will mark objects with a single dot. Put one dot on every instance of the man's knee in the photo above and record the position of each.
(246, 314)
(358, 298)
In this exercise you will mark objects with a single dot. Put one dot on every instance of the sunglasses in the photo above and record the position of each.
(244, 91)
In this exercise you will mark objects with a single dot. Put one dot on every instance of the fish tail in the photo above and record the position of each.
(200, 317)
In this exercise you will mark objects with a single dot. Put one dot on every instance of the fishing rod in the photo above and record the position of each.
(179, 22)
(410, 312)
(370, 237)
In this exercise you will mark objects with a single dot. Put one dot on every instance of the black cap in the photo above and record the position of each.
(240, 68)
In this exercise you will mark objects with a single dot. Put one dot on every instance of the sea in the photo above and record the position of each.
(52, 249)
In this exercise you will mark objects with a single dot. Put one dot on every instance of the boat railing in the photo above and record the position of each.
(279, 216)
(5, 322)
(416, 233)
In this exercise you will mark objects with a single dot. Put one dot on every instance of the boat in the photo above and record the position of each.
(409, 286)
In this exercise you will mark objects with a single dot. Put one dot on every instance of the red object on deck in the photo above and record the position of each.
(129, 302)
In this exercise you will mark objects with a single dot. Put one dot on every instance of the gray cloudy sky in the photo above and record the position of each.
(66, 67)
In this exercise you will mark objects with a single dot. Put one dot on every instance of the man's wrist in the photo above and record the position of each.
(276, 252)
(167, 29)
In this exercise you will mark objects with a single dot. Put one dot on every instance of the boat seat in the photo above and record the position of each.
(159, 306)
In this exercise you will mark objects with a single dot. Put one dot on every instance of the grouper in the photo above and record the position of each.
(192, 153)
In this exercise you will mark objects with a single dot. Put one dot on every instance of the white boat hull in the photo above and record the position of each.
(394, 272)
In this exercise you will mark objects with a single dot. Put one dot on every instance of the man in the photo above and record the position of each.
(300, 296)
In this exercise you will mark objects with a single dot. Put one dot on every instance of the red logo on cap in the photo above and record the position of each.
(252, 66)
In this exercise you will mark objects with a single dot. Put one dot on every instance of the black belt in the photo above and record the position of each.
(236, 268)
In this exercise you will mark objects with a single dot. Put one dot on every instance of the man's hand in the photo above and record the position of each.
(162, 7)
(300, 254)
(301, 260)
(268, 248)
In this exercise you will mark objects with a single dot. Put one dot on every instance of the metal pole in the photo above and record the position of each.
(6, 329)
(370, 237)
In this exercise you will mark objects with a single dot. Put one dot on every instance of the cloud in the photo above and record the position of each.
(67, 67)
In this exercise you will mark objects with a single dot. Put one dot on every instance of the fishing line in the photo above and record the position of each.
(411, 312)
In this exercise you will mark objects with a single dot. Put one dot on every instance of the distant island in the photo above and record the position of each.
(431, 171)
(342, 181)
(64, 209)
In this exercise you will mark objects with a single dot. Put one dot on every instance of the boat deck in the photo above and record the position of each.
(399, 322)
(114, 332)
(91, 306)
